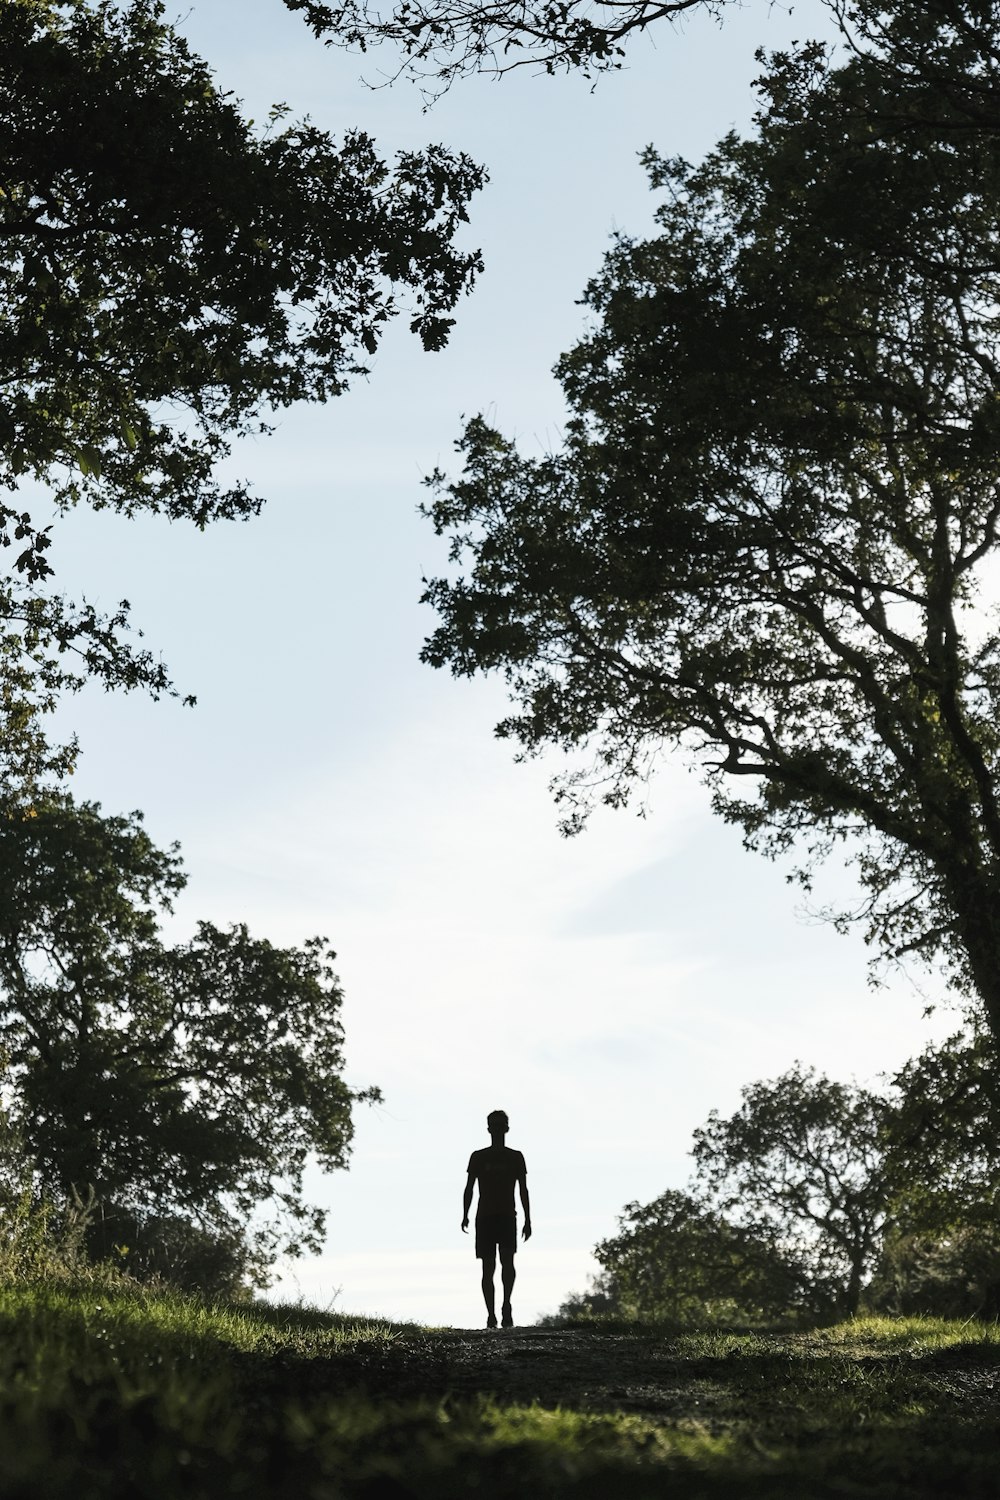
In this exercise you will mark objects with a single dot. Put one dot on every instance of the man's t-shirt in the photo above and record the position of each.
(496, 1169)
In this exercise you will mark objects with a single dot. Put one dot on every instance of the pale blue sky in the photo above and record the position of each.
(608, 991)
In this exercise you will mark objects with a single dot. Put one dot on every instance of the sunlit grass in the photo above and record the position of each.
(137, 1393)
(911, 1334)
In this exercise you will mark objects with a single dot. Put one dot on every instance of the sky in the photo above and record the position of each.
(607, 991)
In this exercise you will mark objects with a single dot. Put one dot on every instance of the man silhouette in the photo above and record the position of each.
(497, 1168)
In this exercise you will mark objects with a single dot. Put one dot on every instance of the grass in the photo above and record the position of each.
(134, 1394)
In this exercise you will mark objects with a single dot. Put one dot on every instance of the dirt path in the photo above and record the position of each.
(610, 1373)
(613, 1373)
(659, 1377)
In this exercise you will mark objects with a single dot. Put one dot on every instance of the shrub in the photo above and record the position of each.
(953, 1275)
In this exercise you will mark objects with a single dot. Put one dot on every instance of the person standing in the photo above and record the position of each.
(497, 1169)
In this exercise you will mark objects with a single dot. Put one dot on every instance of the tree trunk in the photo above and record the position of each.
(852, 1296)
(977, 908)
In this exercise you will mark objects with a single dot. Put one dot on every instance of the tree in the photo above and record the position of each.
(945, 1133)
(169, 275)
(441, 40)
(816, 1196)
(803, 1160)
(184, 1084)
(770, 525)
(945, 1275)
(677, 1259)
(927, 65)
(937, 59)
(942, 1254)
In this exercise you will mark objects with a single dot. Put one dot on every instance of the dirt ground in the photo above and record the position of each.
(610, 1373)
(658, 1377)
(524, 1365)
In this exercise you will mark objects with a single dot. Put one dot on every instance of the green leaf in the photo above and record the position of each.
(89, 459)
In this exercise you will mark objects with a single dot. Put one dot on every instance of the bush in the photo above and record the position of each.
(952, 1275)
(170, 1249)
(43, 1237)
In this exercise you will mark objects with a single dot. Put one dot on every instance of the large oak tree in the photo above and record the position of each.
(770, 536)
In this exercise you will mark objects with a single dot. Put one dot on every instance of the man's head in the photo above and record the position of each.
(497, 1122)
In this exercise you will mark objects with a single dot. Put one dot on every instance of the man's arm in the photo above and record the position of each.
(467, 1202)
(522, 1183)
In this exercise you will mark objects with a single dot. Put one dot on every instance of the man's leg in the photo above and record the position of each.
(489, 1296)
(507, 1275)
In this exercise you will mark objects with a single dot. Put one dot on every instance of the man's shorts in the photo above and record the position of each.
(495, 1232)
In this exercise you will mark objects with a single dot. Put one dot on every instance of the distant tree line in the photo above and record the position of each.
(817, 1199)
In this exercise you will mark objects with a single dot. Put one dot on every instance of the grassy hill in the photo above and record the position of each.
(132, 1394)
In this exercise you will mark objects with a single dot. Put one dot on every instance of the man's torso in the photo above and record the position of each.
(496, 1169)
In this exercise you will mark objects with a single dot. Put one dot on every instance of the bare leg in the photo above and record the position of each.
(507, 1275)
(489, 1296)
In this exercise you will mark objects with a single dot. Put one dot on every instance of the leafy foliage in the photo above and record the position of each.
(765, 538)
(945, 1132)
(676, 1260)
(949, 1275)
(942, 1252)
(441, 40)
(188, 1083)
(803, 1160)
(212, 1259)
(43, 1238)
(168, 275)
(935, 62)
(815, 1198)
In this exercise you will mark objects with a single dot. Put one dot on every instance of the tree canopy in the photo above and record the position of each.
(169, 275)
(945, 1134)
(804, 1161)
(817, 1198)
(679, 1260)
(767, 538)
(188, 1083)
